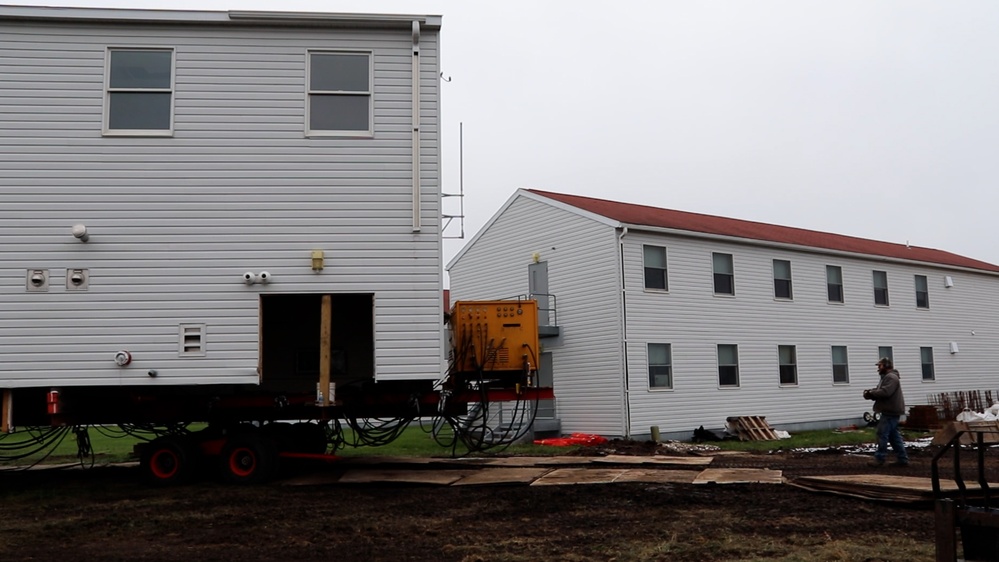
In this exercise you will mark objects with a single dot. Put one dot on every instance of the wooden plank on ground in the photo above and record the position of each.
(564, 476)
(658, 475)
(537, 461)
(906, 489)
(403, 476)
(656, 460)
(739, 476)
(494, 476)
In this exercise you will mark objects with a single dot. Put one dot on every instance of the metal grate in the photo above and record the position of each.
(192, 340)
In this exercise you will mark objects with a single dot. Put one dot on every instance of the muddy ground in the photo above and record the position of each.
(109, 514)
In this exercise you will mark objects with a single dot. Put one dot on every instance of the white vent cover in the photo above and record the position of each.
(192, 340)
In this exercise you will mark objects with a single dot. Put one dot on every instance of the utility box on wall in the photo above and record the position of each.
(495, 335)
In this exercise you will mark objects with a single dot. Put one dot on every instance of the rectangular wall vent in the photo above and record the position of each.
(192, 340)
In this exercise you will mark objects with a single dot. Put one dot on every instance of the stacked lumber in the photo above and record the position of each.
(752, 428)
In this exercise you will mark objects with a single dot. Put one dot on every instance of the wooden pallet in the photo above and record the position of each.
(752, 428)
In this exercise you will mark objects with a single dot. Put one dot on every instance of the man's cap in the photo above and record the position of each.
(886, 362)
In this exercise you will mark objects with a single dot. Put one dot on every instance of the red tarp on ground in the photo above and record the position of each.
(574, 439)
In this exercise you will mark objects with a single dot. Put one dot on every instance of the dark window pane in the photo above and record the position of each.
(659, 376)
(835, 293)
(788, 374)
(728, 375)
(337, 72)
(782, 288)
(840, 373)
(881, 296)
(724, 284)
(339, 113)
(141, 111)
(928, 371)
(655, 278)
(922, 299)
(141, 69)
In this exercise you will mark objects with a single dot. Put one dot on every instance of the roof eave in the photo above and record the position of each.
(800, 248)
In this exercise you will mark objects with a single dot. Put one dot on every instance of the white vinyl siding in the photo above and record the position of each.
(587, 359)
(693, 321)
(174, 222)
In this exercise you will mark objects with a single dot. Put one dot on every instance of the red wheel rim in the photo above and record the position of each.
(164, 464)
(242, 462)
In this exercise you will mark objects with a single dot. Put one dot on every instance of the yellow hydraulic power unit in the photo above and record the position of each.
(495, 335)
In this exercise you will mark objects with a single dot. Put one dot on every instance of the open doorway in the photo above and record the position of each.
(291, 335)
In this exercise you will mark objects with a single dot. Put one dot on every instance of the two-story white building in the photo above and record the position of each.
(677, 320)
(185, 194)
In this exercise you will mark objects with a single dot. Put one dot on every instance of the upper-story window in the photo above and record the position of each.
(139, 92)
(922, 292)
(886, 351)
(728, 365)
(840, 365)
(660, 366)
(926, 362)
(655, 267)
(834, 283)
(787, 357)
(881, 288)
(339, 94)
(782, 279)
(724, 274)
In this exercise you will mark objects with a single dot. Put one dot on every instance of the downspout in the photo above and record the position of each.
(416, 127)
(624, 332)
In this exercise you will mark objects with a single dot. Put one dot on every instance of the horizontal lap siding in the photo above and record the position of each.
(580, 253)
(174, 222)
(694, 321)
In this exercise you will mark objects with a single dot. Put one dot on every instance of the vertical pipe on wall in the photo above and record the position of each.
(416, 127)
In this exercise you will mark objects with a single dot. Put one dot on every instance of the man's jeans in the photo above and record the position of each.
(888, 433)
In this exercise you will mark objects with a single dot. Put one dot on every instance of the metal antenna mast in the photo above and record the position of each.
(461, 190)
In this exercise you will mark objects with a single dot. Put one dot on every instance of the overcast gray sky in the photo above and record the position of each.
(870, 118)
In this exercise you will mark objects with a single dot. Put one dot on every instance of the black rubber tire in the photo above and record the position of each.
(170, 461)
(248, 458)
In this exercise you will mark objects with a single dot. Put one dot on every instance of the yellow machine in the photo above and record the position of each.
(495, 336)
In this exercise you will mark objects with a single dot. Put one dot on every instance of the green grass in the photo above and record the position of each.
(110, 447)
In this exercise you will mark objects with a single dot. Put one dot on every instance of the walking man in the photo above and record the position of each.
(889, 403)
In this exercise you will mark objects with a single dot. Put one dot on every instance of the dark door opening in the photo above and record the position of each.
(291, 336)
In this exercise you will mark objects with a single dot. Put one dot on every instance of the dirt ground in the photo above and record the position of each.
(109, 514)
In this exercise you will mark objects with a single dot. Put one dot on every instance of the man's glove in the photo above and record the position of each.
(867, 394)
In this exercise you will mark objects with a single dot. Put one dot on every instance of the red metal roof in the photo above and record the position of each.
(643, 215)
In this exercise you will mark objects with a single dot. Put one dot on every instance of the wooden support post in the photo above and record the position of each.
(7, 412)
(946, 534)
(325, 344)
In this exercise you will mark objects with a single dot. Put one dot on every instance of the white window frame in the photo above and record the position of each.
(925, 291)
(874, 282)
(720, 365)
(781, 365)
(777, 280)
(664, 268)
(715, 273)
(846, 365)
(106, 129)
(923, 365)
(369, 93)
(668, 365)
(842, 292)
